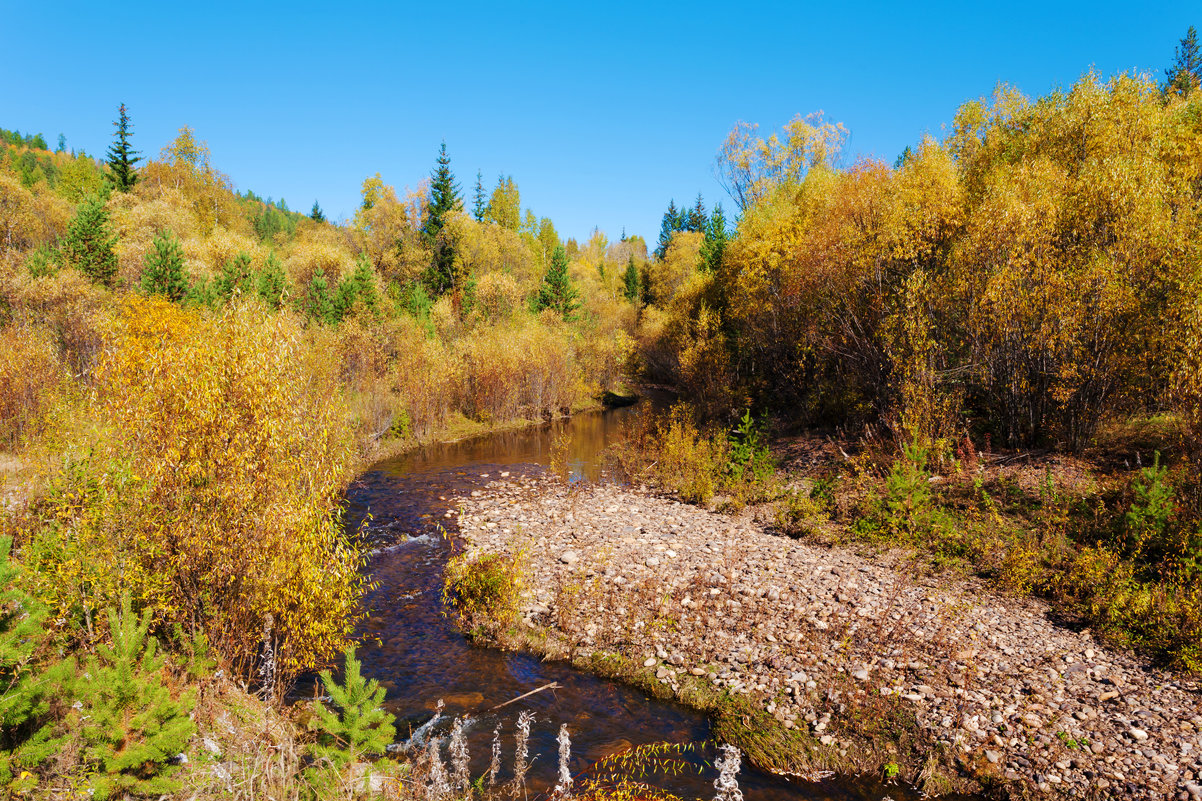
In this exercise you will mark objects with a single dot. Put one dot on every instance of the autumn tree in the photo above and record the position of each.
(749, 166)
(505, 205)
(121, 156)
(1185, 73)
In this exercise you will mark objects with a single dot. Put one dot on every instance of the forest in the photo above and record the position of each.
(191, 375)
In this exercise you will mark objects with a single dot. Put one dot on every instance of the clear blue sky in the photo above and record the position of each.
(601, 112)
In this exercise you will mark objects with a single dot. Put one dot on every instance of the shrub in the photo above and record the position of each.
(31, 374)
(212, 493)
(484, 590)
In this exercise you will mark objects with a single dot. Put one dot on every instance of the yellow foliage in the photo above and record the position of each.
(213, 497)
(31, 372)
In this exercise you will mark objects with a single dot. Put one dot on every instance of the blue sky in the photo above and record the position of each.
(600, 112)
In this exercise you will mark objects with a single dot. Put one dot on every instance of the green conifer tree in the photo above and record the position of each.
(316, 214)
(1185, 73)
(361, 728)
(444, 196)
(121, 156)
(163, 268)
(713, 247)
(200, 293)
(318, 304)
(481, 201)
(271, 284)
(89, 243)
(25, 688)
(557, 291)
(695, 219)
(670, 225)
(631, 280)
(130, 726)
(234, 279)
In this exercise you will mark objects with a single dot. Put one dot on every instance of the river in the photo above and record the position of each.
(420, 658)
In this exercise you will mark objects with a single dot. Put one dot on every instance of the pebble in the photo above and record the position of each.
(801, 630)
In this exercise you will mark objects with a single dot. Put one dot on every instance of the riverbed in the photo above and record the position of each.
(414, 651)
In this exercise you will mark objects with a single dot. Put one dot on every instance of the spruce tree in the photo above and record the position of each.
(631, 280)
(361, 728)
(121, 156)
(557, 291)
(696, 219)
(90, 241)
(444, 196)
(713, 247)
(163, 270)
(481, 201)
(316, 214)
(669, 226)
(130, 726)
(1185, 74)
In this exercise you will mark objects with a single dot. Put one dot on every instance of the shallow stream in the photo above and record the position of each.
(420, 658)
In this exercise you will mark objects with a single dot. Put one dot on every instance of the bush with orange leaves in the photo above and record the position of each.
(212, 494)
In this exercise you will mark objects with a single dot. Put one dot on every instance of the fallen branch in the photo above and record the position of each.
(552, 686)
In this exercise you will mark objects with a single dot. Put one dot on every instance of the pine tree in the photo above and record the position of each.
(130, 726)
(713, 247)
(669, 226)
(1185, 74)
(444, 196)
(90, 241)
(316, 214)
(631, 280)
(318, 304)
(200, 293)
(361, 728)
(271, 284)
(557, 291)
(235, 279)
(481, 201)
(25, 689)
(163, 269)
(122, 157)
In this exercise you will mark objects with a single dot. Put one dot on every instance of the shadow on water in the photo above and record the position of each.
(420, 658)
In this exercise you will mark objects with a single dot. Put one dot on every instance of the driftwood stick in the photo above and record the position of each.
(552, 686)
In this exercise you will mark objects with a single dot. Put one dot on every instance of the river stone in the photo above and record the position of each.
(649, 662)
(569, 557)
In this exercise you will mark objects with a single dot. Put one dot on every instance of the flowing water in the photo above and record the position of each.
(420, 658)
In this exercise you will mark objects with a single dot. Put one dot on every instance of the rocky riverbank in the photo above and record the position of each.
(837, 659)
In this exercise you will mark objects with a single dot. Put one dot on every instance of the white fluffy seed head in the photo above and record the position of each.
(563, 788)
(728, 768)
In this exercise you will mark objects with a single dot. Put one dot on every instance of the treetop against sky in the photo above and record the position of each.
(600, 112)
